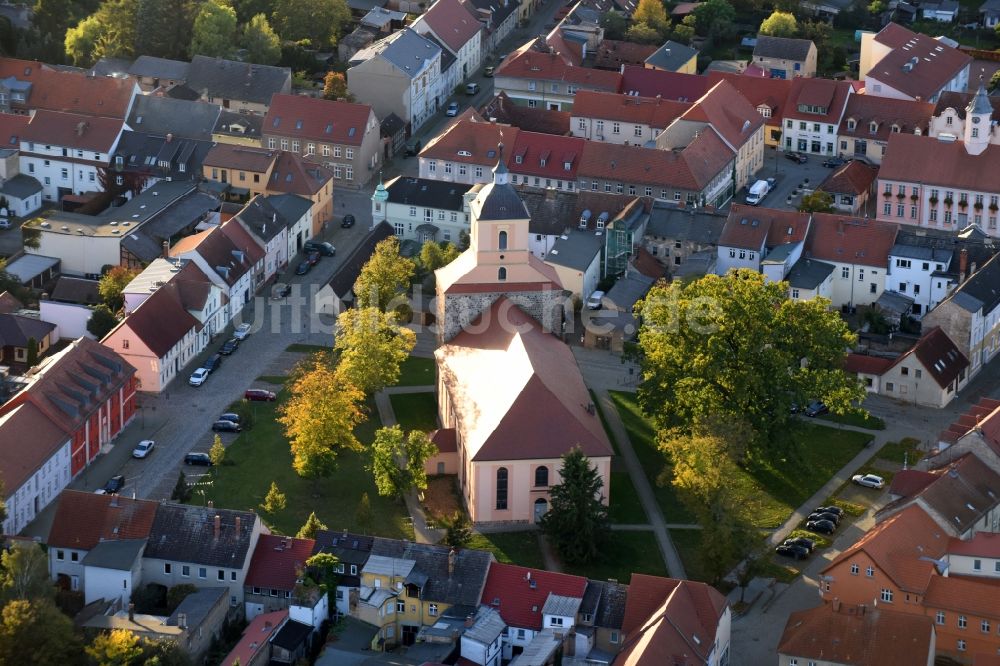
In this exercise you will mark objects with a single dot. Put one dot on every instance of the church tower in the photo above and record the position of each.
(978, 122)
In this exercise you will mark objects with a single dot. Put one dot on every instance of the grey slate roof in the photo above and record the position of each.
(556, 604)
(342, 281)
(671, 56)
(629, 289)
(21, 186)
(611, 608)
(348, 547)
(447, 57)
(392, 125)
(990, 6)
(228, 79)
(685, 225)
(186, 533)
(405, 49)
(551, 211)
(426, 193)
(487, 627)
(500, 201)
(236, 124)
(921, 252)
(262, 218)
(197, 605)
(981, 290)
(117, 554)
(160, 68)
(808, 273)
(499, 9)
(291, 206)
(146, 242)
(575, 250)
(291, 635)
(146, 154)
(180, 117)
(76, 290)
(784, 48)
(465, 586)
(894, 303)
(109, 66)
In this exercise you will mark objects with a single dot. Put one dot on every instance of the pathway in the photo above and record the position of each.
(549, 557)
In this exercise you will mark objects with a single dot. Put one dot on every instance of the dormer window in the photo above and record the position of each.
(873, 127)
(851, 123)
(895, 129)
(519, 159)
(542, 161)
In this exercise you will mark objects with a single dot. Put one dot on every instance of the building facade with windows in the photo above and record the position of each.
(622, 119)
(870, 120)
(813, 115)
(423, 210)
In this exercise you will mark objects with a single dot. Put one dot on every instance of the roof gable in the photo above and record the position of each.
(520, 593)
(319, 120)
(82, 520)
(188, 533)
(278, 561)
(849, 240)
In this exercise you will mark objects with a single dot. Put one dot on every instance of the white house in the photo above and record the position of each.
(453, 24)
(482, 642)
(897, 62)
(23, 194)
(858, 249)
(576, 258)
(921, 271)
(112, 570)
(421, 209)
(813, 113)
(766, 240)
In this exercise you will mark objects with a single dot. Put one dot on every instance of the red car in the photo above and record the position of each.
(260, 395)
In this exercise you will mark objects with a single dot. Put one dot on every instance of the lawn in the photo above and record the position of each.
(416, 371)
(865, 420)
(415, 411)
(688, 545)
(625, 505)
(262, 455)
(511, 547)
(273, 379)
(904, 451)
(765, 494)
(626, 553)
(604, 421)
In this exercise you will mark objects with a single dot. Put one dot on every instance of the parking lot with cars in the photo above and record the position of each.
(789, 175)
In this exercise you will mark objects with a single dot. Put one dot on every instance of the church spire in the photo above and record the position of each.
(500, 174)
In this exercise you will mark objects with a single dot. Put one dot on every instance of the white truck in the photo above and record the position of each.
(757, 192)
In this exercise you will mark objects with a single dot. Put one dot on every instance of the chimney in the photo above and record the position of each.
(840, 227)
(166, 249)
(182, 620)
(836, 605)
(131, 612)
(170, 137)
(211, 504)
(862, 608)
(218, 525)
(469, 620)
(239, 523)
(963, 264)
(451, 562)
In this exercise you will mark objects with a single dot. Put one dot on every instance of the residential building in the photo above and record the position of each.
(254, 648)
(949, 116)
(499, 17)
(242, 129)
(352, 551)
(269, 229)
(674, 233)
(622, 119)
(292, 174)
(576, 257)
(465, 152)
(897, 62)
(155, 73)
(850, 187)
(841, 635)
(989, 14)
(733, 118)
(179, 118)
(245, 170)
(970, 316)
(113, 571)
(554, 213)
(276, 567)
(537, 76)
(809, 279)
(399, 74)
(66, 151)
(237, 86)
(942, 11)
(674, 57)
(767, 95)
(545, 161)
(765, 240)
(455, 25)
(343, 136)
(869, 121)
(615, 323)
(30, 86)
(338, 294)
(481, 643)
(141, 160)
(23, 194)
(813, 114)
(669, 616)
(673, 86)
(784, 57)
(531, 119)
(229, 266)
(612, 54)
(16, 333)
(420, 209)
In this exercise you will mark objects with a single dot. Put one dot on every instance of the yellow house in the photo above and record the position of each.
(674, 57)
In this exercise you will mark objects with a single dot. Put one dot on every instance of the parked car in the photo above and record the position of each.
(280, 289)
(471, 88)
(488, 72)
(198, 377)
(198, 459)
(324, 248)
(834, 162)
(303, 268)
(241, 332)
(313, 257)
(823, 515)
(229, 416)
(452, 110)
(222, 425)
(260, 395)
(796, 157)
(793, 551)
(212, 362)
(596, 300)
(835, 510)
(114, 485)
(229, 346)
(816, 408)
(143, 448)
(821, 526)
(869, 480)
(801, 542)
(346, 223)
(413, 149)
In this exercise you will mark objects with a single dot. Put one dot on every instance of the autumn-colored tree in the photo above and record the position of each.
(653, 14)
(217, 454)
(119, 647)
(779, 24)
(24, 573)
(398, 460)
(309, 529)
(36, 632)
(371, 347)
(384, 277)
(335, 86)
(275, 500)
(817, 202)
(113, 283)
(643, 33)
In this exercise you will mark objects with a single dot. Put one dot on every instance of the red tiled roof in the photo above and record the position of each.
(729, 112)
(160, 321)
(28, 438)
(546, 121)
(76, 92)
(906, 114)
(533, 63)
(452, 22)
(256, 638)
(909, 482)
(277, 561)
(82, 520)
(319, 120)
(655, 112)
(531, 149)
(519, 593)
(867, 365)
(751, 227)
(855, 178)
(939, 355)
(292, 174)
(612, 54)
(964, 594)
(444, 439)
(934, 66)
(772, 93)
(245, 158)
(831, 95)
(848, 240)
(480, 140)
(906, 161)
(668, 85)
(984, 415)
(684, 8)
(73, 130)
(900, 548)
(11, 129)
(646, 263)
(242, 240)
(982, 544)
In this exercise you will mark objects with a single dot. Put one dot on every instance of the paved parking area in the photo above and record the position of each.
(788, 176)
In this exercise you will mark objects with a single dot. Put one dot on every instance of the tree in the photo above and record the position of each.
(181, 492)
(398, 460)
(371, 347)
(817, 202)
(877, 7)
(384, 277)
(577, 519)
(712, 18)
(458, 530)
(615, 24)
(683, 33)
(39, 630)
(118, 647)
(319, 21)
(164, 28)
(363, 515)
(335, 86)
(320, 422)
(214, 31)
(32, 359)
(113, 283)
(779, 24)
(435, 255)
(101, 321)
(25, 573)
(261, 42)
(736, 347)
(246, 10)
(109, 32)
(275, 500)
(653, 14)
(325, 566)
(217, 454)
(995, 80)
(311, 527)
(642, 33)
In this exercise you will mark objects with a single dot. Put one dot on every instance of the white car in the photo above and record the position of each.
(868, 480)
(198, 377)
(143, 448)
(595, 300)
(452, 110)
(241, 332)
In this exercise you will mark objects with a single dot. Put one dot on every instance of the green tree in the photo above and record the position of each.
(25, 573)
(363, 515)
(737, 347)
(995, 80)
(164, 28)
(181, 491)
(217, 453)
(458, 530)
(113, 283)
(319, 21)
(214, 31)
(108, 32)
(371, 348)
(311, 527)
(261, 42)
(36, 630)
(385, 277)
(435, 255)
(335, 86)
(653, 14)
(643, 33)
(398, 460)
(779, 24)
(577, 520)
(275, 500)
(32, 359)
(877, 7)
(325, 567)
(682, 33)
(118, 647)
(615, 24)
(817, 202)
(712, 18)
(247, 9)
(101, 321)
